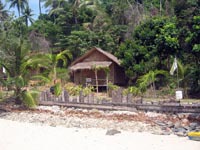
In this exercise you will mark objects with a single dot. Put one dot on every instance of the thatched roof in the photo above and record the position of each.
(110, 56)
(90, 65)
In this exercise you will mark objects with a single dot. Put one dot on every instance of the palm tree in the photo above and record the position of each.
(102, 18)
(27, 15)
(20, 4)
(53, 4)
(149, 80)
(55, 7)
(54, 59)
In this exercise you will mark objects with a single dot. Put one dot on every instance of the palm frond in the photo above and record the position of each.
(29, 98)
(41, 78)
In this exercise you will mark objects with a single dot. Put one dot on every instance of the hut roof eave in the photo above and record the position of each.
(90, 65)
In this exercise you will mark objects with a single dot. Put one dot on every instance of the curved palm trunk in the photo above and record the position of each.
(27, 22)
(40, 8)
(19, 13)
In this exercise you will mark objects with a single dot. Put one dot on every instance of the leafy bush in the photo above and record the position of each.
(111, 86)
(88, 90)
(133, 90)
(29, 98)
(73, 89)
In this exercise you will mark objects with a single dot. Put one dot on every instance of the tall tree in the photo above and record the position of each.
(27, 15)
(19, 62)
(40, 6)
(20, 4)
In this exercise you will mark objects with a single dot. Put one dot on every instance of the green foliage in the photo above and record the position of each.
(20, 4)
(132, 90)
(63, 74)
(133, 56)
(149, 79)
(144, 34)
(57, 89)
(74, 90)
(29, 98)
(87, 90)
(1, 95)
(112, 87)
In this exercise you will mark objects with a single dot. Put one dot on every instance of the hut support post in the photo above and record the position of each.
(96, 78)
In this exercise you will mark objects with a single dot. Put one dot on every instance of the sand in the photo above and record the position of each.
(28, 136)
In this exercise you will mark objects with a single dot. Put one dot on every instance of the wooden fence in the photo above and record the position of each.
(118, 101)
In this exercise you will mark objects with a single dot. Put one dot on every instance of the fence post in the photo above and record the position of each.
(117, 96)
(65, 96)
(81, 97)
(129, 98)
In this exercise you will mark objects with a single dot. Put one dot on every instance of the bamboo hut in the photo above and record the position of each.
(97, 68)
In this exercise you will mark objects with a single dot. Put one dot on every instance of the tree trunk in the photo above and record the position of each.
(160, 7)
(18, 100)
(40, 8)
(96, 78)
(54, 75)
(154, 89)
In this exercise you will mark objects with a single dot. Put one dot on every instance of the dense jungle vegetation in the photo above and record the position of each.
(146, 35)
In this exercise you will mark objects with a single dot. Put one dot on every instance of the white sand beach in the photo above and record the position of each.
(29, 136)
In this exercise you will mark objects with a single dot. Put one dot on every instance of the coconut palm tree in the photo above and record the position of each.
(27, 15)
(20, 4)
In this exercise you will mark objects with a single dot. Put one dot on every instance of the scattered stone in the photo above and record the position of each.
(181, 134)
(155, 123)
(157, 132)
(166, 133)
(123, 112)
(53, 125)
(3, 114)
(198, 128)
(182, 130)
(153, 114)
(185, 121)
(160, 123)
(112, 132)
(170, 124)
(177, 125)
(193, 125)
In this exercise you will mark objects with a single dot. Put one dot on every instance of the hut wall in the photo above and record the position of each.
(77, 77)
(112, 73)
(119, 75)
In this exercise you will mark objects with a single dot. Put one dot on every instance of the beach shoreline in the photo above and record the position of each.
(22, 136)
